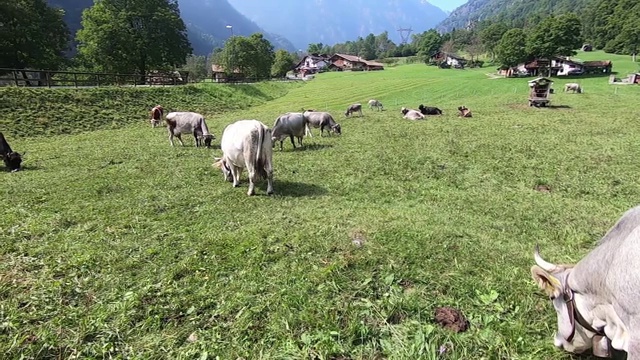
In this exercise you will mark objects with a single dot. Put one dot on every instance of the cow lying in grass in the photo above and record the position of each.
(179, 123)
(411, 114)
(246, 144)
(428, 110)
(464, 111)
(12, 160)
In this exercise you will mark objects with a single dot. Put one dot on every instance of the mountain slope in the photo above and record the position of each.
(206, 22)
(508, 10)
(336, 21)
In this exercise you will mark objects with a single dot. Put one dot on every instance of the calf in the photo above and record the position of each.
(246, 144)
(464, 111)
(411, 114)
(289, 125)
(179, 123)
(322, 120)
(375, 104)
(353, 108)
(156, 115)
(428, 110)
(12, 160)
(573, 87)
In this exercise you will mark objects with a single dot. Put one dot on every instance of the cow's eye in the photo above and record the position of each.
(552, 297)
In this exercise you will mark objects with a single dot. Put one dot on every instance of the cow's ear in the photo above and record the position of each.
(217, 163)
(546, 282)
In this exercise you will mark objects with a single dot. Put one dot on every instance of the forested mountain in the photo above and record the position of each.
(206, 22)
(335, 21)
(513, 12)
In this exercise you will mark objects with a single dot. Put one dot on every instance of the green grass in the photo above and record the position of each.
(31, 112)
(115, 245)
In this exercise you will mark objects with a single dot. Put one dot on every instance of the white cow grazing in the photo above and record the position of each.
(179, 123)
(375, 104)
(246, 144)
(575, 87)
(322, 120)
(597, 300)
(411, 114)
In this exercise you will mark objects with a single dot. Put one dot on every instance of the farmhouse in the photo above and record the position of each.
(560, 66)
(219, 75)
(350, 62)
(448, 58)
(312, 64)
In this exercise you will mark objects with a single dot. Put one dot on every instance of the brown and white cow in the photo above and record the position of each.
(411, 114)
(463, 111)
(246, 144)
(156, 115)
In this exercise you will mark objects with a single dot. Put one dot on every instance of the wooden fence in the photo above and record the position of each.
(48, 78)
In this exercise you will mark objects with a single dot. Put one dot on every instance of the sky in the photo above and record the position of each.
(448, 5)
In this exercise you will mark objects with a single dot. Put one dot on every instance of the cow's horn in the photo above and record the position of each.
(546, 266)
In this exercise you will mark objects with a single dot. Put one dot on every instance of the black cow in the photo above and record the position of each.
(428, 110)
(11, 159)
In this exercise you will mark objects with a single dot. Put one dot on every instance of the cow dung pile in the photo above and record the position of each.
(451, 319)
(543, 188)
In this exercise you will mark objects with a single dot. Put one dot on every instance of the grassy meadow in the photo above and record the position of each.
(113, 245)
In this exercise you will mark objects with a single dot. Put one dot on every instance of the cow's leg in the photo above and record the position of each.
(269, 170)
(360, 112)
(292, 142)
(171, 138)
(196, 139)
(299, 140)
(281, 145)
(179, 137)
(235, 173)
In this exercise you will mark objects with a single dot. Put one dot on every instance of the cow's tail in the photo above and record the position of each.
(259, 162)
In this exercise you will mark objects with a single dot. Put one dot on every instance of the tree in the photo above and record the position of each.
(368, 50)
(283, 62)
(133, 36)
(32, 35)
(630, 37)
(491, 36)
(315, 48)
(510, 50)
(555, 36)
(428, 43)
(197, 67)
(475, 48)
(252, 56)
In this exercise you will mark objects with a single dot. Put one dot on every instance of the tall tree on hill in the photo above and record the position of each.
(490, 37)
(133, 36)
(630, 37)
(368, 50)
(555, 36)
(428, 43)
(510, 50)
(252, 56)
(32, 35)
(284, 61)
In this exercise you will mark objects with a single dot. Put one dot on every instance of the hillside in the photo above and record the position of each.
(205, 20)
(512, 11)
(336, 21)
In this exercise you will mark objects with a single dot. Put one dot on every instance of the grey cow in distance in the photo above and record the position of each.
(354, 108)
(322, 120)
(291, 124)
(179, 123)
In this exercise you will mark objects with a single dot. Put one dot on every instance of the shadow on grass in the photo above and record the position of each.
(306, 147)
(617, 355)
(296, 189)
(559, 107)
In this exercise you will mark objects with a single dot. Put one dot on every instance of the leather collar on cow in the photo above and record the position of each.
(574, 315)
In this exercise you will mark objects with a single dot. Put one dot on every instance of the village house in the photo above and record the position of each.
(450, 59)
(311, 64)
(218, 74)
(559, 67)
(343, 62)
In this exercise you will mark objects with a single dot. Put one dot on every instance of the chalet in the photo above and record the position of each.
(218, 74)
(594, 67)
(448, 58)
(312, 64)
(351, 62)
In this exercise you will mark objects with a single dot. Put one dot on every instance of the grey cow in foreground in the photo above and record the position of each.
(179, 123)
(289, 125)
(597, 300)
(246, 144)
(322, 120)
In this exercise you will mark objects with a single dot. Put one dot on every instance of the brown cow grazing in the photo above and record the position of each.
(354, 108)
(464, 111)
(156, 115)
(12, 160)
